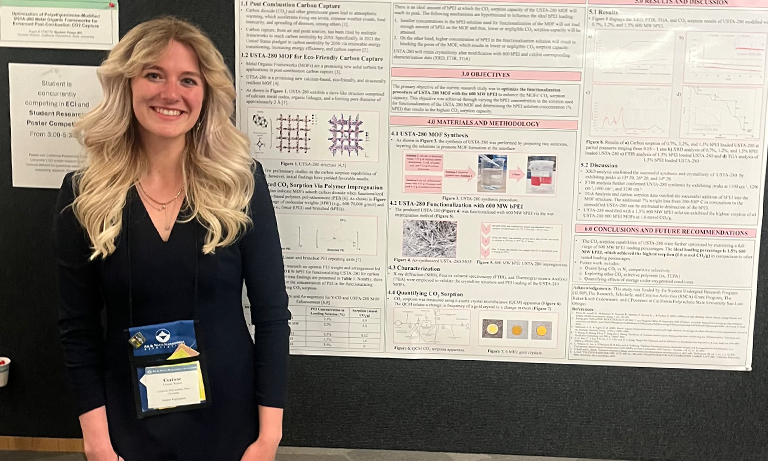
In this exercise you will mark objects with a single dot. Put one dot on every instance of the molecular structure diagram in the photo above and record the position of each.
(294, 133)
(345, 135)
(260, 121)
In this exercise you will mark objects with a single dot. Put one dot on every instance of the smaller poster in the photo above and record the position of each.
(82, 24)
(45, 103)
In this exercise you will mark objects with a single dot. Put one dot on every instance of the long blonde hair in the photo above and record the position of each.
(217, 165)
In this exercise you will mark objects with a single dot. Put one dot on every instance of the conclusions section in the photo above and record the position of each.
(662, 295)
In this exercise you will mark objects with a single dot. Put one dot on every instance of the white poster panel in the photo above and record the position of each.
(83, 24)
(46, 101)
(544, 181)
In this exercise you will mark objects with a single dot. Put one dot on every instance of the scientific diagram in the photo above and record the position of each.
(627, 110)
(517, 329)
(541, 331)
(718, 112)
(429, 239)
(725, 57)
(492, 173)
(492, 328)
(259, 125)
(293, 133)
(324, 234)
(631, 56)
(284, 133)
(317, 135)
(541, 174)
(346, 136)
(463, 173)
(431, 326)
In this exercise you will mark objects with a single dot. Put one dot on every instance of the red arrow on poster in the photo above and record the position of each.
(516, 174)
(484, 252)
(468, 174)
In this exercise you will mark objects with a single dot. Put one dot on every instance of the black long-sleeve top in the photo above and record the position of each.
(171, 281)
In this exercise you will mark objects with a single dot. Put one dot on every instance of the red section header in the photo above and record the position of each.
(538, 75)
(565, 2)
(668, 231)
(485, 123)
(689, 3)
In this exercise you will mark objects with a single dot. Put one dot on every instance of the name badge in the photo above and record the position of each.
(168, 368)
(170, 386)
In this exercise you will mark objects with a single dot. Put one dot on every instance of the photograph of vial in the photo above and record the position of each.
(492, 173)
(541, 175)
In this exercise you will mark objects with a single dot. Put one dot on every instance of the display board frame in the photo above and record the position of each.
(429, 405)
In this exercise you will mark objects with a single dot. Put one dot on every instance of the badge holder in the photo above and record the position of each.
(168, 376)
(167, 360)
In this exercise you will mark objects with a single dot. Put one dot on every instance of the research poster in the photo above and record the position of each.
(45, 102)
(549, 181)
(76, 24)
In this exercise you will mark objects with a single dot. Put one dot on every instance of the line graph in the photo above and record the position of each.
(432, 326)
(323, 234)
(725, 57)
(625, 110)
(634, 56)
(718, 112)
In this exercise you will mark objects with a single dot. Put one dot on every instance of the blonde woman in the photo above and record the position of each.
(159, 231)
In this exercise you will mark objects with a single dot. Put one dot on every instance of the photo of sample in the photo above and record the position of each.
(493, 328)
(429, 239)
(540, 177)
(517, 329)
(541, 330)
(492, 173)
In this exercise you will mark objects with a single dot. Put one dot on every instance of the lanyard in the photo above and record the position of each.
(131, 197)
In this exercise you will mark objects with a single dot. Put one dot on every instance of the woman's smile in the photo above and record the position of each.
(167, 112)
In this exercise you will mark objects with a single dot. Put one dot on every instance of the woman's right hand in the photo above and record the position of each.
(102, 454)
(96, 441)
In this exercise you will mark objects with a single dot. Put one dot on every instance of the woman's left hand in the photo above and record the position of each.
(260, 450)
(270, 433)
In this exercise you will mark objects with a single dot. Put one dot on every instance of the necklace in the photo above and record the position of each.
(161, 206)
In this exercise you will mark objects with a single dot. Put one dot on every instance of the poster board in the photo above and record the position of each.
(566, 182)
(433, 405)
